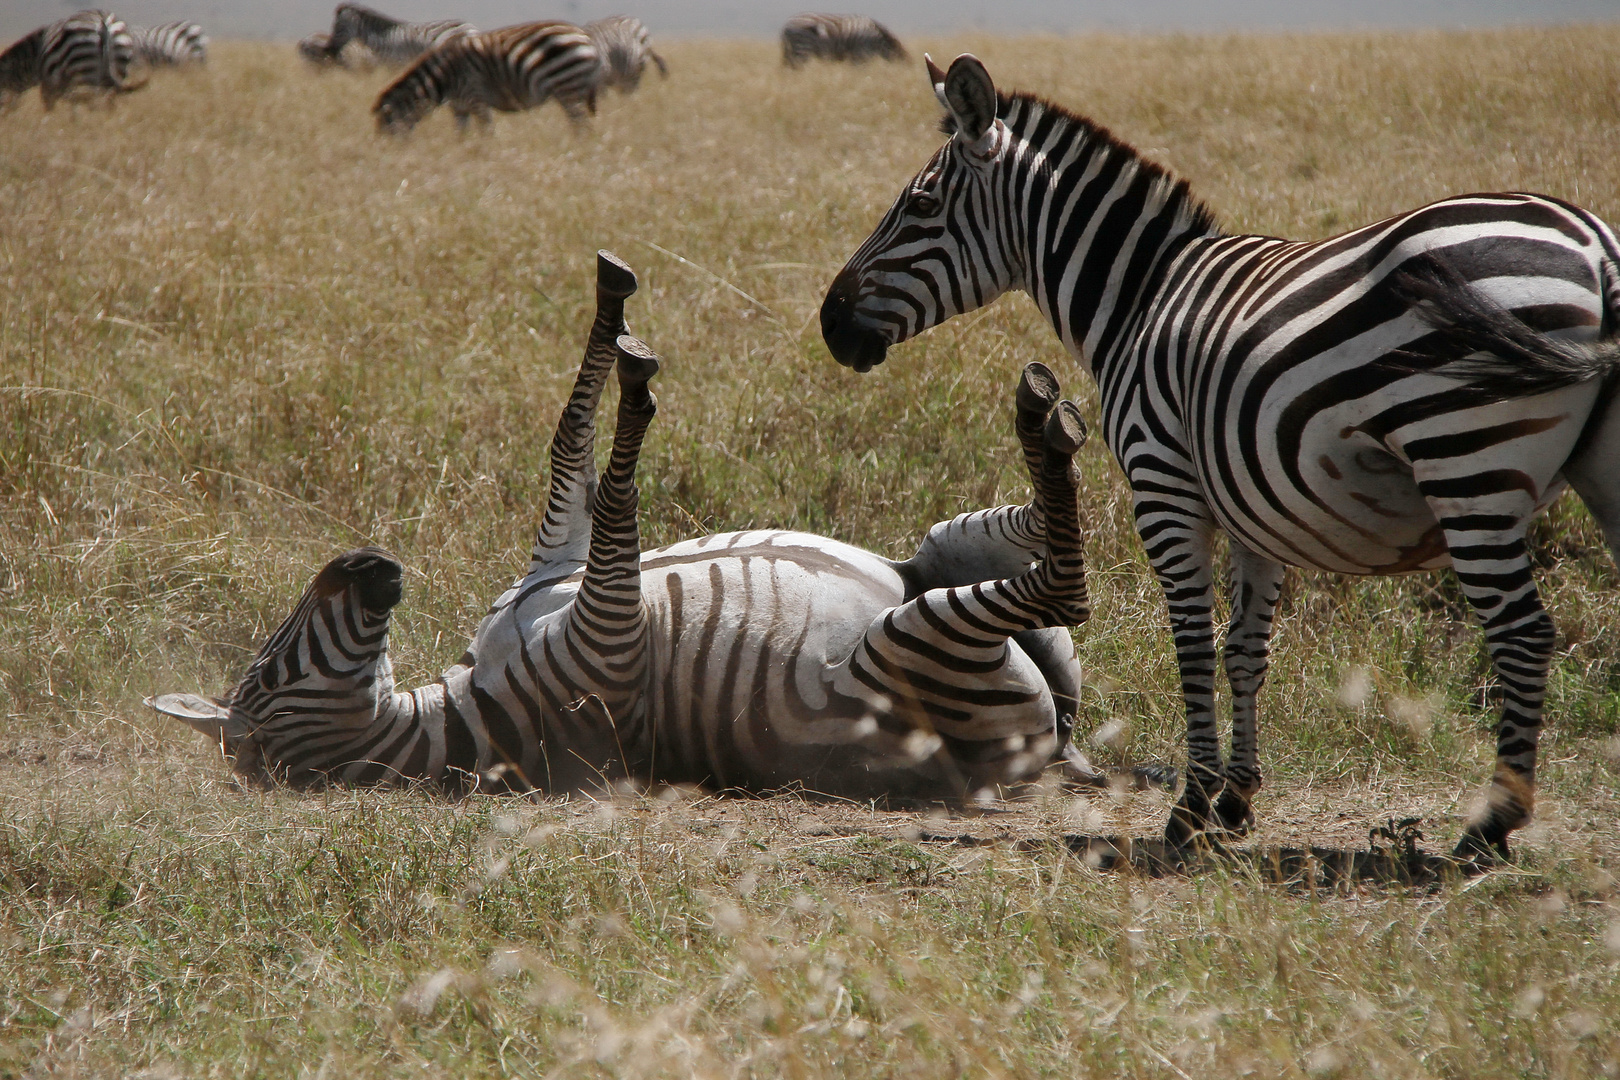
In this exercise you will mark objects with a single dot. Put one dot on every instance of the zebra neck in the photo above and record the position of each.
(1100, 223)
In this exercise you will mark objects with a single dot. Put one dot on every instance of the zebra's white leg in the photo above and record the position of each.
(1256, 587)
(564, 532)
(1484, 518)
(940, 663)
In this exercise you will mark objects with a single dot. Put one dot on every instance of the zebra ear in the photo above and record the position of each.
(203, 714)
(936, 79)
(971, 96)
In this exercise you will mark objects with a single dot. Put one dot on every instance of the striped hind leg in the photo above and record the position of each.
(564, 532)
(1256, 587)
(941, 663)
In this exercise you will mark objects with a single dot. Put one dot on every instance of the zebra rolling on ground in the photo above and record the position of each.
(624, 46)
(837, 37)
(509, 70)
(387, 40)
(752, 661)
(174, 44)
(1404, 397)
(89, 52)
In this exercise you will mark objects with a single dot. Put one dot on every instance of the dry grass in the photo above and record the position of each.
(239, 332)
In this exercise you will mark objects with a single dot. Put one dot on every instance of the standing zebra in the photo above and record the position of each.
(837, 37)
(88, 51)
(750, 661)
(511, 69)
(389, 40)
(1404, 397)
(174, 44)
(625, 47)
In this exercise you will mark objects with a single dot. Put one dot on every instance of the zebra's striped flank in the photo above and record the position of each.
(624, 47)
(511, 69)
(385, 39)
(174, 44)
(752, 661)
(1404, 397)
(855, 38)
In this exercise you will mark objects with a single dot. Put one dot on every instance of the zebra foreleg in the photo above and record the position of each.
(1256, 587)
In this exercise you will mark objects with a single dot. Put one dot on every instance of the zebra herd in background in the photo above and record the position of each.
(93, 53)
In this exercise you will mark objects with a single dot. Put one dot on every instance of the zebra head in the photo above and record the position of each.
(944, 247)
(325, 669)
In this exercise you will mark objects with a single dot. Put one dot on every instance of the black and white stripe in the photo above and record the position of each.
(1406, 396)
(511, 69)
(387, 40)
(837, 37)
(752, 661)
(89, 52)
(624, 46)
(174, 44)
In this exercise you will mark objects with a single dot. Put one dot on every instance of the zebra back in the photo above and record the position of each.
(389, 40)
(171, 45)
(89, 49)
(837, 37)
(510, 69)
(625, 46)
(19, 66)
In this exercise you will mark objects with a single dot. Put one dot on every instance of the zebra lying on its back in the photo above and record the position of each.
(89, 52)
(625, 47)
(837, 37)
(510, 69)
(388, 40)
(751, 661)
(1406, 396)
(173, 44)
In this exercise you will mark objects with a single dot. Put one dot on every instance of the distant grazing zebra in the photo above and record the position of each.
(511, 69)
(173, 44)
(837, 37)
(624, 47)
(751, 661)
(1404, 397)
(389, 40)
(88, 52)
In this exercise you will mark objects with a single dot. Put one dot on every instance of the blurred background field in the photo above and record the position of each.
(240, 332)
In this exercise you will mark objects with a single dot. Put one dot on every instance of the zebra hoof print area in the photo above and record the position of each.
(751, 661)
(1404, 397)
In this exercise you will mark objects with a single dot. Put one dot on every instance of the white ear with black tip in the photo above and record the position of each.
(970, 95)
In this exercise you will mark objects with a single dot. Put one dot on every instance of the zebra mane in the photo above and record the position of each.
(1022, 112)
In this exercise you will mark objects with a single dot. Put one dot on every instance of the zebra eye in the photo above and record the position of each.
(923, 204)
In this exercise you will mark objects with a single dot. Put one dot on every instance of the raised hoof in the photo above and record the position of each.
(1233, 813)
(1477, 853)
(637, 362)
(613, 276)
(1065, 428)
(1038, 390)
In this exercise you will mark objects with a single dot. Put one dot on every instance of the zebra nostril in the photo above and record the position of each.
(851, 343)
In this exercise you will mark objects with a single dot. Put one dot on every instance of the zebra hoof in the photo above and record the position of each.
(613, 276)
(1476, 853)
(1065, 428)
(1234, 814)
(637, 362)
(1038, 390)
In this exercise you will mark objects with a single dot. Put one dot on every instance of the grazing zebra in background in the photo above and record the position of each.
(625, 47)
(89, 51)
(19, 66)
(837, 37)
(751, 661)
(388, 40)
(174, 44)
(511, 69)
(1404, 397)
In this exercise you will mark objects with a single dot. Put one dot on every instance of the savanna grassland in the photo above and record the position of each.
(240, 332)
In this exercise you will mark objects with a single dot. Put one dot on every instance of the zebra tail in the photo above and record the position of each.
(1486, 346)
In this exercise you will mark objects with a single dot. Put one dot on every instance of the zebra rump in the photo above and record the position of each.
(90, 51)
(507, 70)
(174, 44)
(624, 46)
(854, 38)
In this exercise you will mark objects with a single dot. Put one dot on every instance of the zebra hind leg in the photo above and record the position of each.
(1256, 587)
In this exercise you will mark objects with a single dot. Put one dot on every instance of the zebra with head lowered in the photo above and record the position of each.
(1404, 397)
(509, 70)
(837, 37)
(388, 40)
(88, 52)
(624, 46)
(175, 44)
(752, 661)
